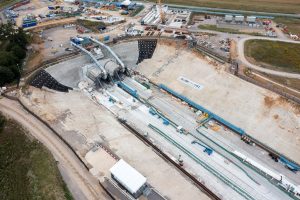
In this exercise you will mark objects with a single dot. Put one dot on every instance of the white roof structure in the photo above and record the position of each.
(126, 2)
(129, 177)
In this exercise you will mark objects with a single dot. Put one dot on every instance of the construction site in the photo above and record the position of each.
(156, 109)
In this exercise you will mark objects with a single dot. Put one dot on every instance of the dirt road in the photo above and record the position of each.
(242, 58)
(79, 181)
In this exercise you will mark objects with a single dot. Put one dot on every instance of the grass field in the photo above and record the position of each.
(283, 6)
(27, 169)
(274, 55)
(293, 25)
(225, 30)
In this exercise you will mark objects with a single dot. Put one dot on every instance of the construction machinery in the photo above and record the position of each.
(161, 12)
(207, 150)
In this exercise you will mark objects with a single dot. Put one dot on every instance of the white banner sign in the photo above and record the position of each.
(190, 83)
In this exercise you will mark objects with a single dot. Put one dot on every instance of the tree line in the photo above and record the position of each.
(13, 42)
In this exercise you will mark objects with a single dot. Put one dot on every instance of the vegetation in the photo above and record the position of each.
(137, 10)
(92, 25)
(27, 169)
(282, 6)
(4, 3)
(225, 30)
(290, 82)
(13, 42)
(292, 24)
(274, 54)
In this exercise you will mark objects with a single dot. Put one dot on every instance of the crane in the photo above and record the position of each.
(161, 13)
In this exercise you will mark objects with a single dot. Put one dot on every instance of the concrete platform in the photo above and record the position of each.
(262, 114)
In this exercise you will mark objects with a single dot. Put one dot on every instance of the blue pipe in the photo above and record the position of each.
(199, 107)
(292, 166)
(128, 89)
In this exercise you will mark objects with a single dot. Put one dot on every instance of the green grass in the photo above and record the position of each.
(293, 25)
(137, 11)
(4, 3)
(92, 25)
(27, 169)
(274, 55)
(282, 6)
(225, 30)
(290, 82)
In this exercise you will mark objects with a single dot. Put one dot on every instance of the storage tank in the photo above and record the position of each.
(93, 72)
(251, 19)
(228, 18)
(239, 18)
(110, 66)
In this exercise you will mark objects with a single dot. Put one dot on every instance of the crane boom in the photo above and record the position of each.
(161, 13)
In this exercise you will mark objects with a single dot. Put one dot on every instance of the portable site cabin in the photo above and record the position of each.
(129, 178)
(251, 19)
(228, 18)
(239, 18)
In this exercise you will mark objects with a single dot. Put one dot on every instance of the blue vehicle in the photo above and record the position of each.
(207, 150)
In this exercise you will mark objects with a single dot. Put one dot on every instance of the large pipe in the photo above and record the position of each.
(104, 73)
(111, 51)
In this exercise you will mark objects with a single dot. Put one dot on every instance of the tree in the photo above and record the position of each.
(20, 38)
(12, 53)
(6, 75)
(18, 51)
(8, 58)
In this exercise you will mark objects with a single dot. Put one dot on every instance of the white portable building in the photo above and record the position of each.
(128, 177)
(251, 19)
(239, 18)
(228, 18)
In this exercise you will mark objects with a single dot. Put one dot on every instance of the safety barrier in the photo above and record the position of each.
(198, 107)
(270, 87)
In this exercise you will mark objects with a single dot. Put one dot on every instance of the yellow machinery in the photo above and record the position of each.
(59, 2)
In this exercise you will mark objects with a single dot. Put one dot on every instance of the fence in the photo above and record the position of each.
(270, 87)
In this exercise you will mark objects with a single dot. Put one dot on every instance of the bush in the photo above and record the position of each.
(18, 51)
(2, 122)
(8, 59)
